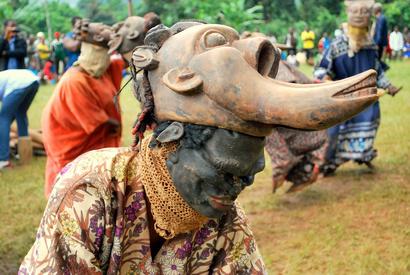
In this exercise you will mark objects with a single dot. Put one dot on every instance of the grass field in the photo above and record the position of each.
(356, 222)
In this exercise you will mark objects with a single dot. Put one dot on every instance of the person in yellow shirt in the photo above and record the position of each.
(43, 50)
(308, 40)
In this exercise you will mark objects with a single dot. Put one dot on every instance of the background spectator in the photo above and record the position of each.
(406, 34)
(58, 54)
(396, 43)
(308, 39)
(324, 43)
(43, 52)
(49, 71)
(291, 41)
(13, 48)
(406, 49)
(380, 30)
(387, 53)
(32, 62)
(71, 45)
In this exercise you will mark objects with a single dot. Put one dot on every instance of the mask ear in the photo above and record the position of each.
(133, 35)
(172, 133)
(182, 80)
(144, 58)
(98, 37)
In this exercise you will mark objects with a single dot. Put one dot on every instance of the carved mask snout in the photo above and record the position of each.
(205, 75)
(260, 54)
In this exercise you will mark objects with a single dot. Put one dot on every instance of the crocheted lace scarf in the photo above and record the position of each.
(171, 213)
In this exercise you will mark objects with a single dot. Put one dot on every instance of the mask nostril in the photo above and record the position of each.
(265, 58)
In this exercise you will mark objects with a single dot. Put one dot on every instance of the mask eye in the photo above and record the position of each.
(215, 39)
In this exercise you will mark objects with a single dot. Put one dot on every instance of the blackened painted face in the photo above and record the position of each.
(211, 178)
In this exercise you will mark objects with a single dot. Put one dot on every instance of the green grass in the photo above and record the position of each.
(353, 223)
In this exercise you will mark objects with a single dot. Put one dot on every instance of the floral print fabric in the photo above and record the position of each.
(96, 222)
(287, 148)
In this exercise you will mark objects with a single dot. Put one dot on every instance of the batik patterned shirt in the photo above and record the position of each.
(96, 222)
(288, 147)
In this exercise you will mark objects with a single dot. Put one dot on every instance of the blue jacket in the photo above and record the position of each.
(380, 32)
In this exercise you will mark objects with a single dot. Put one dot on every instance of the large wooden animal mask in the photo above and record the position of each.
(130, 33)
(359, 12)
(204, 74)
(93, 33)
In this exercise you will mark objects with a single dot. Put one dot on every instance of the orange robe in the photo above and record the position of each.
(74, 120)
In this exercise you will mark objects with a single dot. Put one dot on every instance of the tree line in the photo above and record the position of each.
(272, 17)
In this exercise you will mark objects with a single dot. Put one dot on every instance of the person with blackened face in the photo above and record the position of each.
(168, 204)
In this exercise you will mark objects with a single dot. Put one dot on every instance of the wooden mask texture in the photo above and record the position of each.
(359, 13)
(205, 75)
(130, 33)
(93, 33)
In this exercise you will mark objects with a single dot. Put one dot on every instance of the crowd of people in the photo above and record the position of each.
(24, 64)
(392, 45)
(47, 59)
(167, 204)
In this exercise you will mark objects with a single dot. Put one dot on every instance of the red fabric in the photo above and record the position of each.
(74, 120)
(48, 70)
(320, 44)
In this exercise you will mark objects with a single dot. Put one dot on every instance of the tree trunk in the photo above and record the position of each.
(129, 7)
(48, 21)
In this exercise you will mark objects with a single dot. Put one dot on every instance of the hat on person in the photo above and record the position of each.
(40, 35)
(57, 34)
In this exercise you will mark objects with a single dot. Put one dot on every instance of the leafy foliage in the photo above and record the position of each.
(106, 11)
(398, 13)
(32, 16)
(268, 16)
(234, 13)
(273, 17)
